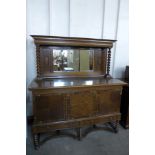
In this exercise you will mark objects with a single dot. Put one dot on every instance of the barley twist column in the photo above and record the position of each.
(38, 60)
(108, 63)
(36, 141)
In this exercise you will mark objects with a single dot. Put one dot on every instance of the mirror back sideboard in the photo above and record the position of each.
(72, 92)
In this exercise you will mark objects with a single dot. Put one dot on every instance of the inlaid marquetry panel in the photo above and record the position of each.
(82, 104)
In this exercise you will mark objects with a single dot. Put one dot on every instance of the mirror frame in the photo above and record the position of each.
(46, 70)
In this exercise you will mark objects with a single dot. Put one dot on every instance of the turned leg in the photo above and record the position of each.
(36, 141)
(114, 125)
(79, 135)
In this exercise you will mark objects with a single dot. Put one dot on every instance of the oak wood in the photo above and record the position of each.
(70, 83)
(44, 54)
(75, 99)
(45, 62)
(72, 41)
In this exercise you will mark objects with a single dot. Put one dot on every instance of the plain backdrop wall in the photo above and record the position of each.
(107, 19)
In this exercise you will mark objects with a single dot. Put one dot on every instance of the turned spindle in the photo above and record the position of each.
(36, 141)
(38, 60)
(114, 125)
(108, 63)
(79, 134)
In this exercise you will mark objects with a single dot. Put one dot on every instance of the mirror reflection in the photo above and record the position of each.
(70, 60)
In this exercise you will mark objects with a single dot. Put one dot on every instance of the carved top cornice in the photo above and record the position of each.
(72, 41)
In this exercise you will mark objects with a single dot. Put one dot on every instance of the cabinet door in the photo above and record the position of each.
(82, 104)
(49, 107)
(108, 101)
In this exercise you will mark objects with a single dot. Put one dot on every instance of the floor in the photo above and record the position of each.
(102, 141)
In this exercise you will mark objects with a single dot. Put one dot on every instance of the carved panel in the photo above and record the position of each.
(97, 60)
(108, 101)
(50, 107)
(104, 61)
(100, 59)
(46, 59)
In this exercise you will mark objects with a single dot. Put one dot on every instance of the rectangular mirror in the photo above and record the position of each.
(73, 60)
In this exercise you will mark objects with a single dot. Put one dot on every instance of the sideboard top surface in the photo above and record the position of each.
(73, 82)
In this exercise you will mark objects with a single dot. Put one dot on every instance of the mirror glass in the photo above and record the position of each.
(72, 60)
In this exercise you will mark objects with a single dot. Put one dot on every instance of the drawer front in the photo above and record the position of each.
(49, 107)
